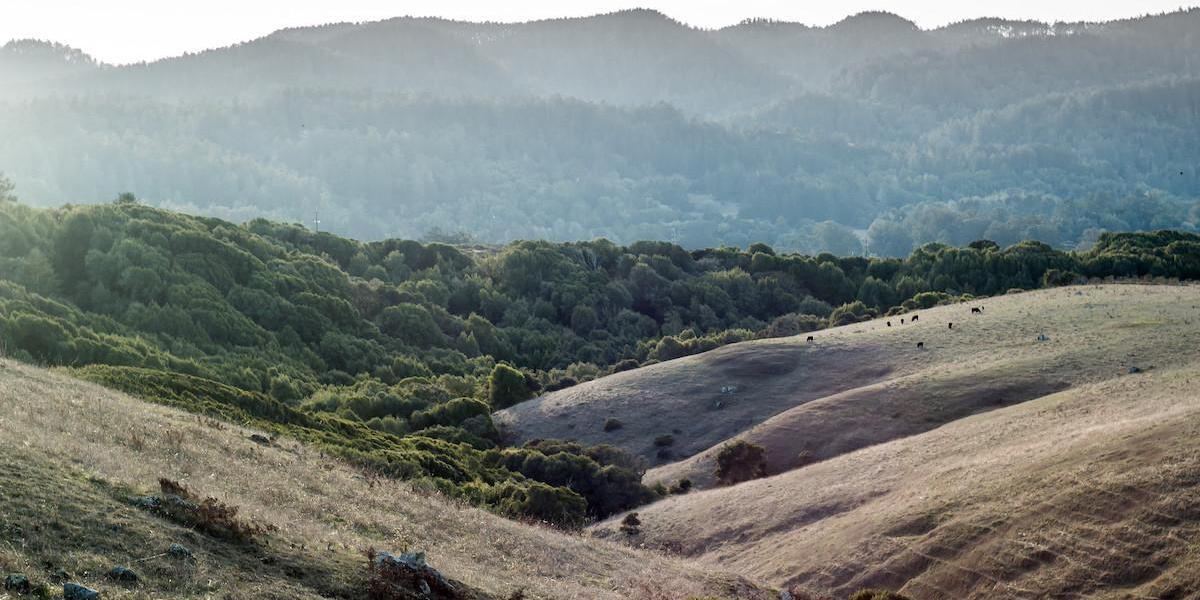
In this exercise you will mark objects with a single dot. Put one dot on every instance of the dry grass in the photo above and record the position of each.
(73, 452)
(867, 383)
(1089, 491)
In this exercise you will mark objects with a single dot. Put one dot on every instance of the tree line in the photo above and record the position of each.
(395, 353)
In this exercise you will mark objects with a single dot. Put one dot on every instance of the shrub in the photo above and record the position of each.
(1057, 277)
(506, 387)
(556, 505)
(740, 461)
(211, 516)
(627, 364)
(631, 525)
(874, 594)
(612, 425)
(792, 324)
(851, 313)
(561, 384)
(680, 487)
(664, 440)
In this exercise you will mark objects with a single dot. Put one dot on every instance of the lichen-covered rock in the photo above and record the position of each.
(74, 591)
(17, 583)
(179, 551)
(399, 576)
(123, 574)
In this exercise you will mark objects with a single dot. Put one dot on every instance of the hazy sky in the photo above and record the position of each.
(121, 31)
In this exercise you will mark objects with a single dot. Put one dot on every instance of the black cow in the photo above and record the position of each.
(901, 320)
(975, 310)
(889, 323)
(810, 338)
(914, 319)
(920, 345)
(951, 326)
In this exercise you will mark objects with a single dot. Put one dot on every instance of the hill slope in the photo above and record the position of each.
(866, 383)
(1073, 476)
(71, 453)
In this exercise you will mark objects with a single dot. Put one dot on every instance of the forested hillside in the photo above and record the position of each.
(394, 354)
(870, 136)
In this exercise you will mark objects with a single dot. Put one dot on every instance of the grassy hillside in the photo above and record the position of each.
(864, 383)
(990, 463)
(393, 355)
(72, 454)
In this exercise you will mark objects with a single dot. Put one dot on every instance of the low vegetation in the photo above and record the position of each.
(394, 354)
(740, 461)
(205, 514)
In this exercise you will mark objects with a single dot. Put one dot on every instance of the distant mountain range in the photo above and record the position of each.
(630, 125)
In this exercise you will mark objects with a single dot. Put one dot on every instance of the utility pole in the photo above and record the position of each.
(317, 221)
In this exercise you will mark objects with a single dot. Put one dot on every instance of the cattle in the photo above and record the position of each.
(901, 320)
(951, 326)
(915, 317)
(920, 345)
(889, 323)
(975, 310)
(810, 338)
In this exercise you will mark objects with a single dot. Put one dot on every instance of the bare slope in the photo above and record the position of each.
(1087, 492)
(72, 452)
(867, 383)
(1091, 491)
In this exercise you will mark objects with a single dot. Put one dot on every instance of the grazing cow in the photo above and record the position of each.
(951, 326)
(810, 338)
(914, 319)
(920, 345)
(889, 323)
(975, 310)
(901, 320)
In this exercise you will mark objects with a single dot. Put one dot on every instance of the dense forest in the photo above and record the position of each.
(867, 137)
(393, 354)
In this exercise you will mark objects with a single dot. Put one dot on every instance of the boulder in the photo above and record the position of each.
(17, 583)
(74, 591)
(179, 551)
(123, 575)
(394, 575)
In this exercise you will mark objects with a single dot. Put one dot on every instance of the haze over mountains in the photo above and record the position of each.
(870, 135)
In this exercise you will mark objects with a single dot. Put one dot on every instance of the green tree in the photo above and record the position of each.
(740, 461)
(506, 387)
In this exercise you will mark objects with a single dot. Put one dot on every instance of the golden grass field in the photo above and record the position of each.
(71, 453)
(989, 465)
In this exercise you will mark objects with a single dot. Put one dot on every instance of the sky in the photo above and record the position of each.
(124, 31)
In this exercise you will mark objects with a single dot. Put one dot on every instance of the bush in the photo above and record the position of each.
(1057, 277)
(740, 461)
(211, 516)
(853, 312)
(555, 505)
(874, 594)
(506, 387)
(664, 440)
(680, 487)
(631, 525)
(792, 324)
(612, 425)
(627, 364)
